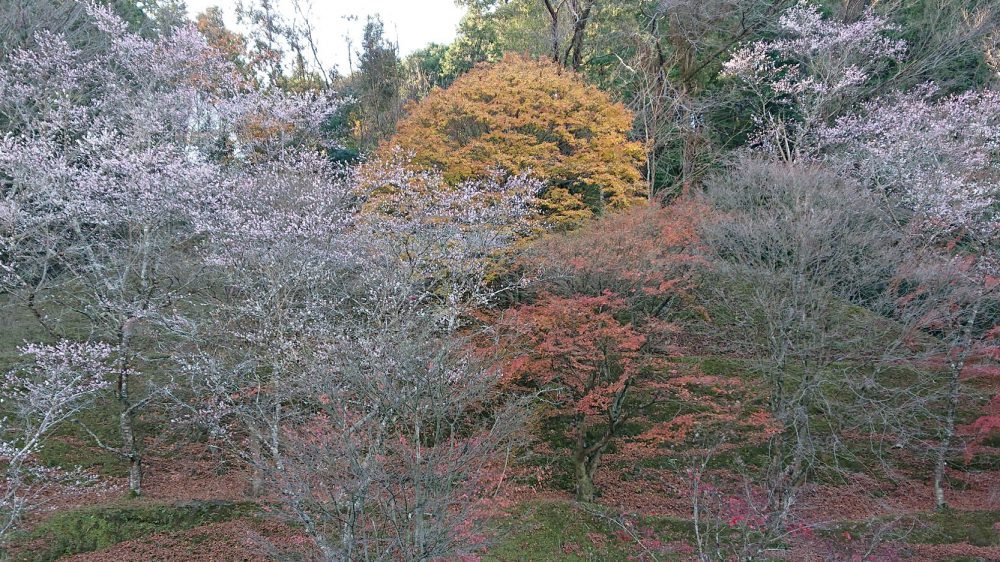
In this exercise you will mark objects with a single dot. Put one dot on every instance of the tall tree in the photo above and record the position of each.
(116, 149)
(339, 361)
(528, 116)
(378, 86)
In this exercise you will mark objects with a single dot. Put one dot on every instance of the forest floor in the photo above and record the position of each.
(195, 505)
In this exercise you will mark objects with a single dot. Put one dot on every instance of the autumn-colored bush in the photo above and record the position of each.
(525, 115)
(582, 361)
(648, 255)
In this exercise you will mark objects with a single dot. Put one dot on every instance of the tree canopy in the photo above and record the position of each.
(526, 115)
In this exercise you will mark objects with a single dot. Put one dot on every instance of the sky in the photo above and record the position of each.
(411, 23)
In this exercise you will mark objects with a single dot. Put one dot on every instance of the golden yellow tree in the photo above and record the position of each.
(524, 115)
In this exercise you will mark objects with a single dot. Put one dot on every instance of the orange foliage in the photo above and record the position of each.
(718, 401)
(230, 45)
(523, 115)
(583, 361)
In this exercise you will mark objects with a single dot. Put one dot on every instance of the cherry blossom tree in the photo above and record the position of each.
(114, 166)
(932, 160)
(279, 255)
(411, 421)
(337, 359)
(807, 75)
(54, 383)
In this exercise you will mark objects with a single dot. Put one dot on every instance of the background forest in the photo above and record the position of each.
(598, 280)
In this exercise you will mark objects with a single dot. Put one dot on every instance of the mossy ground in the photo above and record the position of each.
(93, 528)
(562, 530)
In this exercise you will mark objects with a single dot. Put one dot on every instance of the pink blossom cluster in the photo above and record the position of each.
(811, 42)
(59, 376)
(800, 79)
(935, 157)
(130, 148)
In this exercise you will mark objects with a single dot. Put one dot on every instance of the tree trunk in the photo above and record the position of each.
(126, 419)
(785, 474)
(256, 467)
(554, 28)
(574, 55)
(690, 141)
(587, 454)
(685, 89)
(585, 489)
(126, 425)
(941, 461)
(957, 366)
(783, 489)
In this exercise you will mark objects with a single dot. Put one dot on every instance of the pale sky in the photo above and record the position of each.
(411, 23)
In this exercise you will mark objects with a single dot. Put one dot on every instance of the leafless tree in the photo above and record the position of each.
(806, 264)
(279, 258)
(338, 357)
(406, 427)
(945, 320)
(407, 437)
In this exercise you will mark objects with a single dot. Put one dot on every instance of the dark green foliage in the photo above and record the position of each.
(974, 527)
(378, 86)
(425, 70)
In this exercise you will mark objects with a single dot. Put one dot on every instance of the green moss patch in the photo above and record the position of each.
(94, 528)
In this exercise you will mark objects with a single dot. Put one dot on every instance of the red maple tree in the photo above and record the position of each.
(582, 361)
